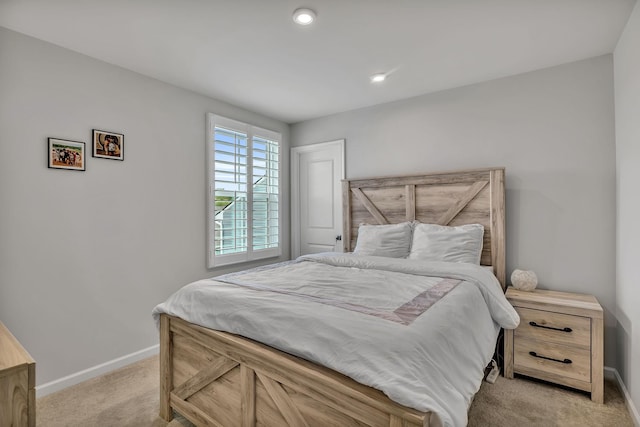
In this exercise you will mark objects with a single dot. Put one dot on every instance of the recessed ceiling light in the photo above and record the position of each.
(377, 78)
(304, 16)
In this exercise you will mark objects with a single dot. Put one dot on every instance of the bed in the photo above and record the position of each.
(217, 378)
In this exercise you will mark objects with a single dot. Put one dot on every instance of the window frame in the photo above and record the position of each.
(213, 260)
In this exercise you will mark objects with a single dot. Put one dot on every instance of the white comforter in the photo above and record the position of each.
(364, 316)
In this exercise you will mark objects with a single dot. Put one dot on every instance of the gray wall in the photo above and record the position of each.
(85, 256)
(552, 129)
(627, 102)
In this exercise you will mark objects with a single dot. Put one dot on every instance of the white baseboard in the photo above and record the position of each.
(103, 368)
(612, 374)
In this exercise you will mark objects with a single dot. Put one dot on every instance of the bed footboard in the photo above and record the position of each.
(219, 379)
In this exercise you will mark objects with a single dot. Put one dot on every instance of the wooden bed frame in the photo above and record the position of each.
(219, 379)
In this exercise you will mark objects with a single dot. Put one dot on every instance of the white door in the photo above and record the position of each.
(316, 197)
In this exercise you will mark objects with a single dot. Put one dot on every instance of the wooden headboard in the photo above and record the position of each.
(445, 198)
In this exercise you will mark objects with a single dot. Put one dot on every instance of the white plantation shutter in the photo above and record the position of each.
(230, 190)
(266, 204)
(244, 197)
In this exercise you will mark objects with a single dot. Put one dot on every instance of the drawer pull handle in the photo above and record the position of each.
(566, 361)
(550, 327)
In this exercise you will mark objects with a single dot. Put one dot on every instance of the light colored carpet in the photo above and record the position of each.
(130, 395)
(525, 402)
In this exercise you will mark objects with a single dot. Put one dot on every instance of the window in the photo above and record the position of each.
(243, 205)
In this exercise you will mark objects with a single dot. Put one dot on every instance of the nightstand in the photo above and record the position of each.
(559, 339)
(17, 383)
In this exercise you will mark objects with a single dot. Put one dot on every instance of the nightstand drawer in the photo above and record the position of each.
(554, 327)
(554, 359)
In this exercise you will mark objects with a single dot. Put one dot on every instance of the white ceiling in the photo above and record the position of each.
(251, 54)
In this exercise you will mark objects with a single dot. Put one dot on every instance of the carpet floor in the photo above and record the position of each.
(129, 397)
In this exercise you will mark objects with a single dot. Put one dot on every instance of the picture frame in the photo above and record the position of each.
(66, 154)
(108, 145)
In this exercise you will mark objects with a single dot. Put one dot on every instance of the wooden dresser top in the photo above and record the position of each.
(12, 354)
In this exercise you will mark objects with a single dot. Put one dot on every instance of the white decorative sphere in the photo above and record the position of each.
(524, 280)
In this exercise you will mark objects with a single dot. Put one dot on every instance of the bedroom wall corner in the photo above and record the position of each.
(85, 256)
(627, 105)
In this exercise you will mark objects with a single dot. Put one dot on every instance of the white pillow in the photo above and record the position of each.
(393, 240)
(433, 242)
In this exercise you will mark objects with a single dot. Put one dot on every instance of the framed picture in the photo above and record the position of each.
(108, 145)
(65, 154)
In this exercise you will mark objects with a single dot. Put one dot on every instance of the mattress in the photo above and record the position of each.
(421, 332)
